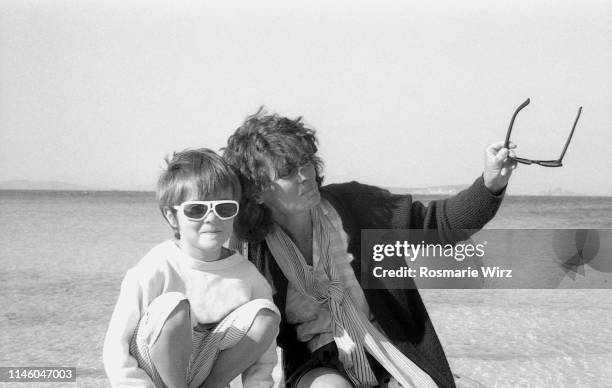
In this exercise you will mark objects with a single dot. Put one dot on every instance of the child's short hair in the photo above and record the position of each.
(194, 174)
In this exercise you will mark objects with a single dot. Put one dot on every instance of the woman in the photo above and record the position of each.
(305, 238)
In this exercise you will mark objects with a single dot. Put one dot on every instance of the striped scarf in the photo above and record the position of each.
(353, 333)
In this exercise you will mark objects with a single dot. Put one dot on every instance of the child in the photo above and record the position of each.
(193, 313)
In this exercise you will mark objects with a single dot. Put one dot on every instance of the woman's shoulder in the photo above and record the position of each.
(364, 206)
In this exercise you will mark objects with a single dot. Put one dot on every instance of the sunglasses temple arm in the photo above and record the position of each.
(507, 141)
(570, 135)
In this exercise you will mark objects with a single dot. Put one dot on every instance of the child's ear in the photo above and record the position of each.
(170, 218)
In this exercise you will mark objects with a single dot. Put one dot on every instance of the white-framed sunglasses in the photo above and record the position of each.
(225, 209)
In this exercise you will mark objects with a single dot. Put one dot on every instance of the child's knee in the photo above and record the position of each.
(169, 310)
(176, 330)
(168, 314)
(167, 304)
(268, 318)
(265, 325)
(181, 312)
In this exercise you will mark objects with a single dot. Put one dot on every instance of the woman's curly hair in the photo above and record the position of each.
(259, 149)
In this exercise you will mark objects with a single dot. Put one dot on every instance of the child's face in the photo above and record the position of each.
(204, 239)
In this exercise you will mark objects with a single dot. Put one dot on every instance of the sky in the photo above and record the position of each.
(401, 94)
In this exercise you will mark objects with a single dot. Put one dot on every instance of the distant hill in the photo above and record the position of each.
(454, 189)
(23, 184)
(558, 191)
(433, 190)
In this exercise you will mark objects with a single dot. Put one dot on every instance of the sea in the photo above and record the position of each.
(64, 254)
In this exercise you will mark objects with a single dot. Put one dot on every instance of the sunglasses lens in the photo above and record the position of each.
(547, 163)
(226, 210)
(195, 210)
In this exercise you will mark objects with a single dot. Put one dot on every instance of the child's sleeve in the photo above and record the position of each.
(121, 368)
(259, 375)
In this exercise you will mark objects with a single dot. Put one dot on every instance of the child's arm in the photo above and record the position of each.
(121, 368)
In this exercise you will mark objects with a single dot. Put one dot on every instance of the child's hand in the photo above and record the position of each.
(498, 166)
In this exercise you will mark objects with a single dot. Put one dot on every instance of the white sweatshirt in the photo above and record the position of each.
(213, 289)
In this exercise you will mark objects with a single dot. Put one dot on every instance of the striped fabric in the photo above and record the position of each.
(140, 350)
(352, 331)
(206, 344)
(312, 321)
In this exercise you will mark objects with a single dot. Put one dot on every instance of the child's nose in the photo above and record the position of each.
(210, 216)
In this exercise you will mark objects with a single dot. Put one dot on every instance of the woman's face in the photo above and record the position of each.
(294, 191)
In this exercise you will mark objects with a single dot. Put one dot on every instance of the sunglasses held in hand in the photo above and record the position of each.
(543, 163)
(198, 210)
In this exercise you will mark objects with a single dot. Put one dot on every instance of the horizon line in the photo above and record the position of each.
(86, 190)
